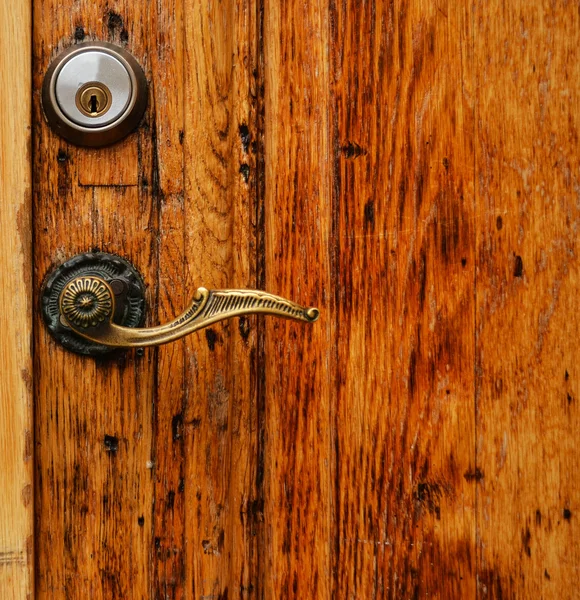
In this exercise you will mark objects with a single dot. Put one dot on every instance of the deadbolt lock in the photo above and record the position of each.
(94, 94)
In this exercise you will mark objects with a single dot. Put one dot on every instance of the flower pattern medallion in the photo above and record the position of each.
(86, 302)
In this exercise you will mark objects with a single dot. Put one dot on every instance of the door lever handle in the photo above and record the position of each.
(96, 294)
(87, 305)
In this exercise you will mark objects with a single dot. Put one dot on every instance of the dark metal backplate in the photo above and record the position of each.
(125, 281)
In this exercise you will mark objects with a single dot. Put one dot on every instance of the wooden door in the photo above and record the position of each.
(409, 167)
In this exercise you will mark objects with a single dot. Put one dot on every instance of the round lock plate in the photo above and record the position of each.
(123, 279)
(94, 94)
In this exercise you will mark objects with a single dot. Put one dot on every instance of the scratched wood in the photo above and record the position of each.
(298, 382)
(165, 35)
(219, 416)
(95, 444)
(408, 167)
(404, 518)
(527, 356)
(158, 431)
(16, 435)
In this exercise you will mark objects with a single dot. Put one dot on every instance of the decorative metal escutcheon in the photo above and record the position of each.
(95, 303)
(94, 94)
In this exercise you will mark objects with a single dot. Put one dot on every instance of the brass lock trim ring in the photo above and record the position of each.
(95, 87)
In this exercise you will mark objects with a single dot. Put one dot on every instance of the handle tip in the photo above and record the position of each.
(312, 314)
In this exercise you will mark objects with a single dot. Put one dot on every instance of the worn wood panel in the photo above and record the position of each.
(93, 458)
(16, 435)
(93, 419)
(219, 415)
(528, 214)
(405, 437)
(165, 35)
(118, 165)
(408, 167)
(298, 383)
(405, 429)
(181, 229)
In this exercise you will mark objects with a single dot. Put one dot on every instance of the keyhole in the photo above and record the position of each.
(94, 103)
(93, 99)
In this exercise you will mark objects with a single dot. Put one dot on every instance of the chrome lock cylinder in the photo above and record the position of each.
(94, 94)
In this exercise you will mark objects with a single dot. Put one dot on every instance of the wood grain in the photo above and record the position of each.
(93, 419)
(170, 199)
(527, 357)
(118, 165)
(298, 382)
(219, 418)
(165, 34)
(404, 493)
(16, 423)
(408, 167)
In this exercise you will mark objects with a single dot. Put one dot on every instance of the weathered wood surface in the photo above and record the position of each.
(219, 412)
(410, 168)
(146, 464)
(298, 383)
(95, 430)
(527, 320)
(405, 438)
(16, 419)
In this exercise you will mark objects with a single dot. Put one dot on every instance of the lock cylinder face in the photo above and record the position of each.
(94, 94)
(93, 80)
(93, 99)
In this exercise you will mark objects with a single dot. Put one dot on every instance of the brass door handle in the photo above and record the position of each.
(87, 305)
(99, 301)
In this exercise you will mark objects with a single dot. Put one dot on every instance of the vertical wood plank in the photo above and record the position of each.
(528, 214)
(16, 427)
(298, 381)
(167, 183)
(405, 437)
(220, 205)
(93, 418)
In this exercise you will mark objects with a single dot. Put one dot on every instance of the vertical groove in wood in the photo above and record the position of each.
(258, 517)
(219, 417)
(16, 424)
(298, 372)
(405, 438)
(527, 353)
